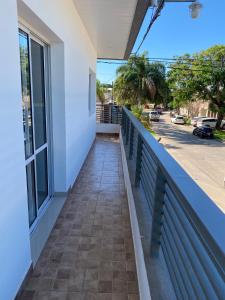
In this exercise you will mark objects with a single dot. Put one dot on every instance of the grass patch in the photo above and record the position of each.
(219, 134)
(148, 127)
(144, 119)
(187, 121)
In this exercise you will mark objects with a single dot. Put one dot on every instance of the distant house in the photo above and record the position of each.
(197, 108)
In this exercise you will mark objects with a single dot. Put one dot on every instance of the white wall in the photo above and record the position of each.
(14, 230)
(73, 129)
(79, 56)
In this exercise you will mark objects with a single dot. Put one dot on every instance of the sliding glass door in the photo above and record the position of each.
(35, 121)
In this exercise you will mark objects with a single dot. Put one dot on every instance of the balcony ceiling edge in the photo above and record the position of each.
(140, 12)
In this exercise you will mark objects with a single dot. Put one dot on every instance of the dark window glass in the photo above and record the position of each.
(32, 210)
(26, 99)
(38, 84)
(42, 176)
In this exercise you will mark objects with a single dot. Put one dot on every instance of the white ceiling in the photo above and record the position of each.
(108, 23)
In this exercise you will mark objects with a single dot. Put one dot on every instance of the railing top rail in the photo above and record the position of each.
(209, 217)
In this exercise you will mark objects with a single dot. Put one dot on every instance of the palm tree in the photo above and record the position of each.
(100, 91)
(138, 81)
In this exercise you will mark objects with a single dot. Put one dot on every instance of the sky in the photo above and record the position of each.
(176, 33)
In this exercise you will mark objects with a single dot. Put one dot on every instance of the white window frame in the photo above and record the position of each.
(48, 110)
(91, 92)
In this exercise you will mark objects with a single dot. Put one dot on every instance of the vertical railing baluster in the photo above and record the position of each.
(124, 123)
(138, 160)
(157, 213)
(127, 132)
(110, 113)
(131, 142)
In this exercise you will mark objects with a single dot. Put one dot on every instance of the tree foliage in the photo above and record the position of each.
(139, 81)
(100, 91)
(200, 77)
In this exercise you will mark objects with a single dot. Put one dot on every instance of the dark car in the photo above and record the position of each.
(203, 132)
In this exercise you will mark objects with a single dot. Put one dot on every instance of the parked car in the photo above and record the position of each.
(211, 122)
(178, 120)
(159, 110)
(145, 112)
(223, 125)
(201, 121)
(154, 115)
(203, 131)
(195, 120)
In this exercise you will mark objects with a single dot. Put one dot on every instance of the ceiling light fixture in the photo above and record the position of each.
(195, 9)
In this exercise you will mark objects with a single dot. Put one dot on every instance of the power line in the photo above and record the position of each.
(173, 59)
(153, 19)
(168, 66)
(168, 61)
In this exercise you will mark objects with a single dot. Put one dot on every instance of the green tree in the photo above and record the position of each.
(100, 91)
(139, 82)
(210, 83)
(200, 77)
(180, 82)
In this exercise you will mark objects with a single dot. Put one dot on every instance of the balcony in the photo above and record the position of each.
(132, 205)
(90, 254)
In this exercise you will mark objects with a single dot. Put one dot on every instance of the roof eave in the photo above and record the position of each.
(140, 12)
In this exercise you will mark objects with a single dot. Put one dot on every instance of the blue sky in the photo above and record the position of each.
(175, 33)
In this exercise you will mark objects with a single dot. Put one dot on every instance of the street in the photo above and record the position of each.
(202, 159)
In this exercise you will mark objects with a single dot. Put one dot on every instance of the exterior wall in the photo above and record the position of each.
(197, 109)
(15, 256)
(79, 57)
(72, 55)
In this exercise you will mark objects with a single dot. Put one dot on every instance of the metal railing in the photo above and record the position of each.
(108, 113)
(185, 224)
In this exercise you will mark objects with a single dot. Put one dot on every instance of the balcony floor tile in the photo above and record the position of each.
(90, 254)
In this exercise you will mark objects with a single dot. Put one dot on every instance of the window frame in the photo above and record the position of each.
(91, 92)
(48, 115)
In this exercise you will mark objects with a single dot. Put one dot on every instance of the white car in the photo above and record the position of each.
(154, 115)
(178, 120)
(195, 120)
(211, 122)
(222, 126)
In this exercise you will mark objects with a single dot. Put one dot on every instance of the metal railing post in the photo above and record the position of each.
(124, 117)
(157, 213)
(131, 142)
(138, 161)
(110, 113)
(127, 131)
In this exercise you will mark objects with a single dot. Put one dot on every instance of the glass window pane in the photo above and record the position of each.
(32, 210)
(26, 99)
(42, 176)
(38, 84)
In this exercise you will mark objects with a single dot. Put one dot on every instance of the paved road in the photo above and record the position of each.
(203, 159)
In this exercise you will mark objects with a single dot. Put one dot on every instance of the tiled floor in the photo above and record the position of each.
(89, 254)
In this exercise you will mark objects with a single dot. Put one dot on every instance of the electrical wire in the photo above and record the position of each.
(171, 64)
(172, 60)
(153, 19)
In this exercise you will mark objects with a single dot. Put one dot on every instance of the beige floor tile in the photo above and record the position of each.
(89, 254)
